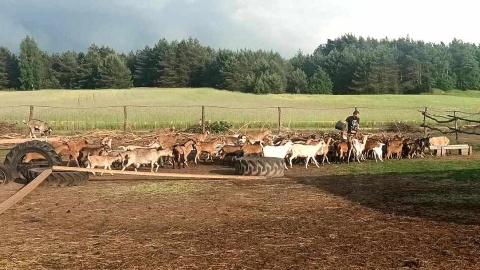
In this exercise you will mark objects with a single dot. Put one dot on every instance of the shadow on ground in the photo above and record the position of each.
(448, 196)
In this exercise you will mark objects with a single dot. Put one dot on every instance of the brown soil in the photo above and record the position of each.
(307, 220)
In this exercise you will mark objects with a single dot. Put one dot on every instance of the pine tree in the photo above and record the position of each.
(65, 69)
(5, 59)
(297, 82)
(320, 83)
(114, 73)
(465, 65)
(145, 72)
(32, 73)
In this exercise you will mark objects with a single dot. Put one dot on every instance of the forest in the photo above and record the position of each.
(345, 65)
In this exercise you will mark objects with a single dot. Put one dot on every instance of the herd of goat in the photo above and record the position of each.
(176, 149)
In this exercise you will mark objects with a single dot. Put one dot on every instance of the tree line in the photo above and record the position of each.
(345, 65)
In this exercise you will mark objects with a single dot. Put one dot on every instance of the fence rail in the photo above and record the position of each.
(140, 117)
(458, 118)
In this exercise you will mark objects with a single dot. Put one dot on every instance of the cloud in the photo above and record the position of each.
(283, 26)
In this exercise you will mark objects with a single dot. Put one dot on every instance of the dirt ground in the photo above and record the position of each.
(309, 219)
(306, 220)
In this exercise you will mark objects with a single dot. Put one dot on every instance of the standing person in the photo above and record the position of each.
(353, 122)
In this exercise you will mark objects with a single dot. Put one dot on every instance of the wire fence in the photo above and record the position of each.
(138, 117)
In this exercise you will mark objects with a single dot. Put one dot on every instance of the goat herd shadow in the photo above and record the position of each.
(447, 196)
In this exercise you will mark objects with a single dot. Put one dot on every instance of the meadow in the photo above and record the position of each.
(149, 108)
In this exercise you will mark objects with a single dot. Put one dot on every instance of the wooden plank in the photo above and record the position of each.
(4, 206)
(456, 146)
(165, 175)
(437, 146)
(15, 141)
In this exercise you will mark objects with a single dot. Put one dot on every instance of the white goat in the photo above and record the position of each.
(153, 145)
(306, 151)
(378, 152)
(105, 161)
(141, 156)
(277, 151)
(357, 148)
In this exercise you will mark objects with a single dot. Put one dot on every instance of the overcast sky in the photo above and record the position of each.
(284, 26)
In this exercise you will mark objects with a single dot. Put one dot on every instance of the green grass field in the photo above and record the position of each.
(150, 108)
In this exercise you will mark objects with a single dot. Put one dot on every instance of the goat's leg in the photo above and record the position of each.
(105, 168)
(290, 160)
(128, 164)
(306, 162)
(324, 158)
(349, 154)
(197, 155)
(75, 157)
(152, 163)
(315, 162)
(89, 166)
(185, 163)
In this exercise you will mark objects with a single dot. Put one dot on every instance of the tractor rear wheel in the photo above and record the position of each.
(5, 175)
(15, 158)
(59, 179)
(261, 166)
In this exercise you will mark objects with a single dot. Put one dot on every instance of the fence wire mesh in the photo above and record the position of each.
(138, 117)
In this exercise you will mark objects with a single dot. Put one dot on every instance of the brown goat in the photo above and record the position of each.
(208, 147)
(230, 150)
(74, 149)
(394, 147)
(257, 136)
(250, 149)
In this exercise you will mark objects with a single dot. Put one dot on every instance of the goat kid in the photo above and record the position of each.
(105, 161)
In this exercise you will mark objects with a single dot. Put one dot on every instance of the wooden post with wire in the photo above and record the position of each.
(125, 119)
(203, 120)
(456, 125)
(425, 121)
(30, 116)
(279, 119)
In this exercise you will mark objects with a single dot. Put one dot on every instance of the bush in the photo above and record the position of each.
(219, 127)
(215, 127)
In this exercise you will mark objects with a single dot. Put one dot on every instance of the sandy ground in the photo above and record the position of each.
(306, 220)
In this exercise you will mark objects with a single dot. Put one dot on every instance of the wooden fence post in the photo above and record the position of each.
(203, 119)
(456, 125)
(425, 121)
(279, 119)
(125, 119)
(30, 117)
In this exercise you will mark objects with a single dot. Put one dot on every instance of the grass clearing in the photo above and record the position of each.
(163, 187)
(150, 108)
